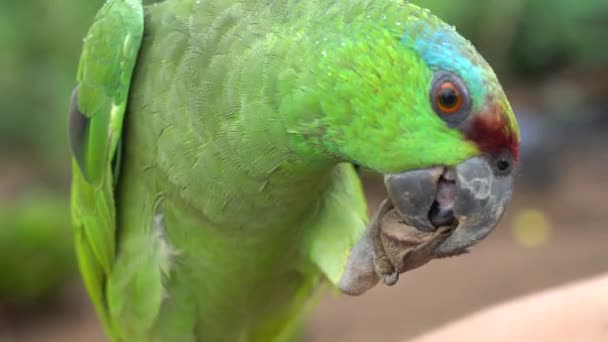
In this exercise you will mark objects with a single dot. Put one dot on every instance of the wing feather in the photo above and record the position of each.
(97, 112)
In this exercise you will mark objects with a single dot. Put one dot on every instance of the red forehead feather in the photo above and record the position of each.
(492, 135)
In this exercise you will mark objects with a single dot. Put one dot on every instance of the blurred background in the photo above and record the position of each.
(553, 60)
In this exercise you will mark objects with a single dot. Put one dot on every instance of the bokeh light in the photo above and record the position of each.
(531, 228)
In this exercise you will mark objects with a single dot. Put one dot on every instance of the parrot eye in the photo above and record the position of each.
(450, 98)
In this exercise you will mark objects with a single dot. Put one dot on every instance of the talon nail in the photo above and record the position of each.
(391, 279)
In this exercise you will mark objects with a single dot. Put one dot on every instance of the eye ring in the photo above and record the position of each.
(450, 98)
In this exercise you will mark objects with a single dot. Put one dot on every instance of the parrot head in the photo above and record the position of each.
(408, 97)
(465, 93)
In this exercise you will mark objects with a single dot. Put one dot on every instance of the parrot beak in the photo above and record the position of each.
(470, 197)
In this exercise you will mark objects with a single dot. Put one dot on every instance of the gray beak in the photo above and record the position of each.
(470, 197)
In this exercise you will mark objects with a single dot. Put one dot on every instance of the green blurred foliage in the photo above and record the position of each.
(41, 42)
(36, 254)
(41, 46)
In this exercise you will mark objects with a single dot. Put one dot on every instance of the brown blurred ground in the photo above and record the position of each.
(498, 269)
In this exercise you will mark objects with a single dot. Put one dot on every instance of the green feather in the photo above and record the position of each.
(104, 75)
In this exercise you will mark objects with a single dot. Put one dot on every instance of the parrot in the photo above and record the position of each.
(215, 147)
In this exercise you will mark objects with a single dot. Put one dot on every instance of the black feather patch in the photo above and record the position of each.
(117, 162)
(79, 129)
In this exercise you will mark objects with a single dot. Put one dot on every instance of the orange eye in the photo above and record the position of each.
(448, 98)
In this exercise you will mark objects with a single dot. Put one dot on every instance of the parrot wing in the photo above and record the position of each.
(96, 115)
(339, 224)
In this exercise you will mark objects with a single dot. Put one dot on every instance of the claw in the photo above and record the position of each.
(382, 264)
(386, 270)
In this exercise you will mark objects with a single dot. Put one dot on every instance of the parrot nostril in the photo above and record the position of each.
(503, 166)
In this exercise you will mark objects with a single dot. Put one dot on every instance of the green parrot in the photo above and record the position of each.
(215, 146)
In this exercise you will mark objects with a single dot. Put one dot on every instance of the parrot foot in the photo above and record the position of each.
(388, 248)
(386, 270)
(382, 264)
